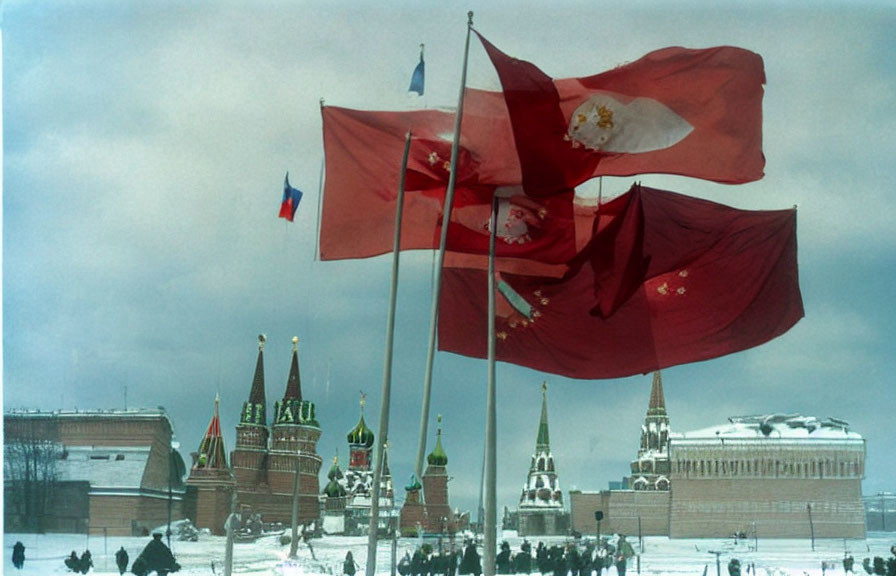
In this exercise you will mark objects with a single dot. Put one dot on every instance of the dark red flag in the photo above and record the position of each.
(363, 161)
(695, 113)
(716, 280)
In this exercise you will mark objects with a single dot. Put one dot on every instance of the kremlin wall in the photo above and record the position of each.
(776, 476)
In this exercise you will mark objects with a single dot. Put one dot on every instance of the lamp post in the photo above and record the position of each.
(598, 516)
(718, 563)
(811, 526)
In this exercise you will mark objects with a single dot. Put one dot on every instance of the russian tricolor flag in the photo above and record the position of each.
(291, 198)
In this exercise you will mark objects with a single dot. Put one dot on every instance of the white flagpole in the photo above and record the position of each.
(437, 284)
(490, 536)
(387, 373)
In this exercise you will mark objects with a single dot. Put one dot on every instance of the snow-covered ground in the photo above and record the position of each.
(44, 554)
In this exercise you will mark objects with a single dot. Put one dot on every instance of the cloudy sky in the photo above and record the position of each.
(144, 149)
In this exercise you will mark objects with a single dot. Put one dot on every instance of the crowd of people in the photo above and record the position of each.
(573, 559)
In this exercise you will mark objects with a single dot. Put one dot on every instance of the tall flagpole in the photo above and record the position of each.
(437, 284)
(490, 536)
(379, 449)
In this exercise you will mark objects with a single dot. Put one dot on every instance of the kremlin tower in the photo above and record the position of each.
(212, 479)
(541, 510)
(651, 470)
(270, 463)
(434, 515)
(249, 458)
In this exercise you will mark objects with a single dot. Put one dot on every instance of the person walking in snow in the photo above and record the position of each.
(470, 563)
(155, 557)
(72, 562)
(624, 551)
(86, 562)
(18, 555)
(349, 566)
(121, 560)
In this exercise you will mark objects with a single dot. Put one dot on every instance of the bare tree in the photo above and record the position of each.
(31, 453)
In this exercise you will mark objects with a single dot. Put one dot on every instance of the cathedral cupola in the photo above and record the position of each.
(360, 444)
(361, 435)
(438, 457)
(335, 488)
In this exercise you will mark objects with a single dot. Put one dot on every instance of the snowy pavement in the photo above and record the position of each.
(44, 554)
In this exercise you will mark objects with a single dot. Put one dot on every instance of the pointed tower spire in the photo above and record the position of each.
(543, 442)
(294, 383)
(211, 449)
(541, 501)
(652, 468)
(657, 405)
(254, 409)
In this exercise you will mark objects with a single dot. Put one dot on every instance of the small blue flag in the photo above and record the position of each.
(417, 76)
(291, 198)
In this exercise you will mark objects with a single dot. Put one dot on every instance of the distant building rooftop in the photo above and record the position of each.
(773, 427)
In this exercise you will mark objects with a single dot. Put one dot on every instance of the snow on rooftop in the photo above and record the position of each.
(104, 466)
(775, 426)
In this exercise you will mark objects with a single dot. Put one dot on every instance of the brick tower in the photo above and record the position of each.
(249, 458)
(541, 502)
(214, 483)
(652, 468)
(293, 450)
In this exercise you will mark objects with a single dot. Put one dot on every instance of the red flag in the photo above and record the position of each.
(716, 280)
(363, 160)
(695, 113)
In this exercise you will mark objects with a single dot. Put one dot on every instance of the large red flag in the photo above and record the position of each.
(695, 113)
(363, 161)
(715, 280)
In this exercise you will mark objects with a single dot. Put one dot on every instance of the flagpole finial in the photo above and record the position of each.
(470, 18)
(295, 343)
(261, 341)
(321, 102)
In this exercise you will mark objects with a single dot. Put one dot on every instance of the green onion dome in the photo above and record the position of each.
(414, 485)
(361, 434)
(438, 457)
(334, 489)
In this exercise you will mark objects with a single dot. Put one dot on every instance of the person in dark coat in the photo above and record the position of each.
(557, 560)
(155, 557)
(470, 563)
(502, 560)
(121, 560)
(348, 566)
(417, 563)
(452, 563)
(404, 565)
(541, 558)
(624, 551)
(522, 562)
(85, 563)
(72, 562)
(572, 560)
(18, 555)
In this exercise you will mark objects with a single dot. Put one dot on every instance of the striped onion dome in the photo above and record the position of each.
(361, 435)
